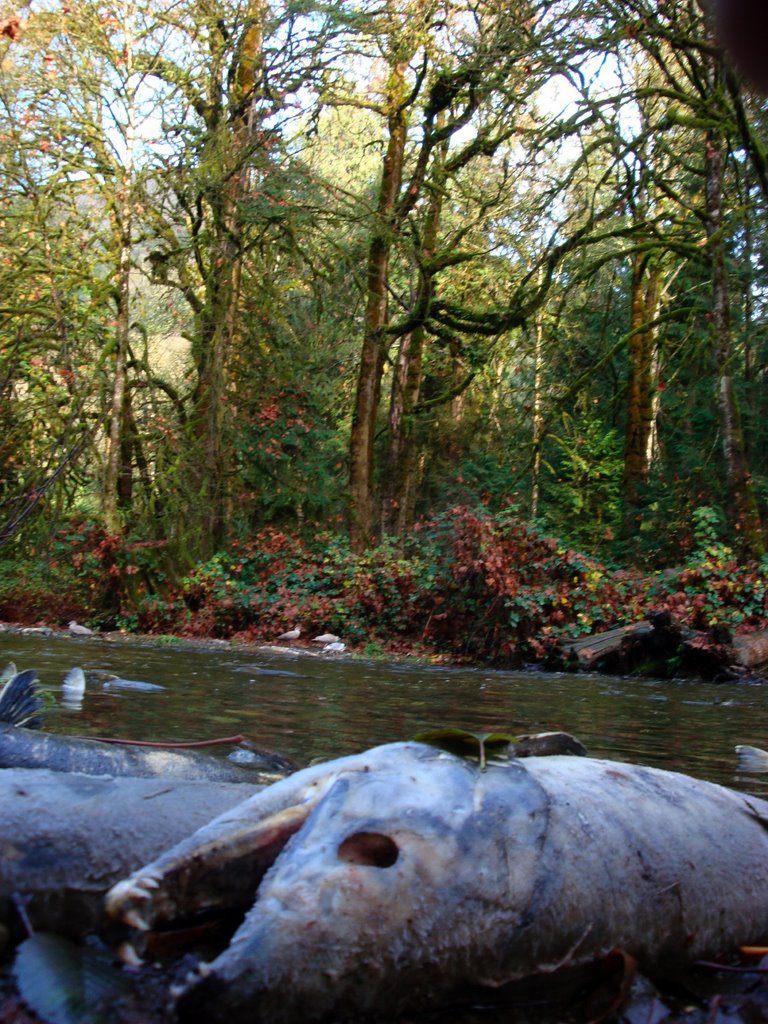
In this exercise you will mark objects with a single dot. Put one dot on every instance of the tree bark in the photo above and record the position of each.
(744, 512)
(400, 477)
(537, 422)
(114, 476)
(399, 472)
(210, 466)
(368, 394)
(640, 410)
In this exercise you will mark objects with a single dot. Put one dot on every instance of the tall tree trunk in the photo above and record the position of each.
(115, 470)
(398, 477)
(744, 513)
(640, 406)
(537, 423)
(211, 467)
(401, 462)
(368, 394)
(210, 462)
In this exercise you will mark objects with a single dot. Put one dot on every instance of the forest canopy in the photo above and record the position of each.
(341, 267)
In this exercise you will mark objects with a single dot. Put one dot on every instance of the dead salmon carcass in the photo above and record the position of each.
(390, 881)
(66, 838)
(24, 745)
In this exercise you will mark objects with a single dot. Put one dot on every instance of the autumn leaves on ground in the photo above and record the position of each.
(472, 586)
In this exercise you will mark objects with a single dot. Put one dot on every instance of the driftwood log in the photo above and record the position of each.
(661, 646)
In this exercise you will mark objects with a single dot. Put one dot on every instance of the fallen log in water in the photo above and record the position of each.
(659, 645)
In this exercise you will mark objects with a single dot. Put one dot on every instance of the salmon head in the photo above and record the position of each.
(374, 883)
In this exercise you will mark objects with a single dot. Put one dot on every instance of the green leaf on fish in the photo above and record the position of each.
(476, 746)
(68, 984)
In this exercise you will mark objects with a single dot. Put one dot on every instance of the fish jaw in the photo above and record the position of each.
(222, 873)
(220, 864)
(394, 893)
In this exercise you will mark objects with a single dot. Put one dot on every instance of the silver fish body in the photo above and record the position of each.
(66, 838)
(117, 683)
(110, 681)
(26, 748)
(22, 747)
(393, 880)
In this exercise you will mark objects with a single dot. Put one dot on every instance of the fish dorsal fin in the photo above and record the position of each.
(19, 701)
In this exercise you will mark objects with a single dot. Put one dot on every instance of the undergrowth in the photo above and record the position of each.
(470, 585)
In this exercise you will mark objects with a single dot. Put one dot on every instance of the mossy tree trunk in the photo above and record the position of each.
(641, 385)
(401, 462)
(228, 106)
(375, 343)
(744, 511)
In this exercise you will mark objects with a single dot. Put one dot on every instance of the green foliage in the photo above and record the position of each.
(249, 284)
(714, 588)
(64, 573)
(507, 590)
(707, 528)
(584, 501)
(84, 572)
(472, 585)
(290, 458)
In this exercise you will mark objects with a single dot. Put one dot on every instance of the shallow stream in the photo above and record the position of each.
(309, 706)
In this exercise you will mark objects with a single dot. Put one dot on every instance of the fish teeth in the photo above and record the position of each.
(117, 895)
(141, 888)
(128, 955)
(202, 970)
(135, 920)
(130, 891)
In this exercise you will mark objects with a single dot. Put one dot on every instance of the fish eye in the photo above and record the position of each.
(371, 848)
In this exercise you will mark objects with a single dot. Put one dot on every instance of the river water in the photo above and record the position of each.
(309, 706)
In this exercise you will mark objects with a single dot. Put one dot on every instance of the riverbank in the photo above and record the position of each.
(473, 588)
(163, 641)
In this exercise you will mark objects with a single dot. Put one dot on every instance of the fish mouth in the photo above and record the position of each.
(220, 880)
(218, 870)
(216, 880)
(311, 864)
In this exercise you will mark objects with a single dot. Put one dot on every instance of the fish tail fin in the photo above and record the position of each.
(74, 683)
(19, 701)
(8, 672)
(752, 759)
